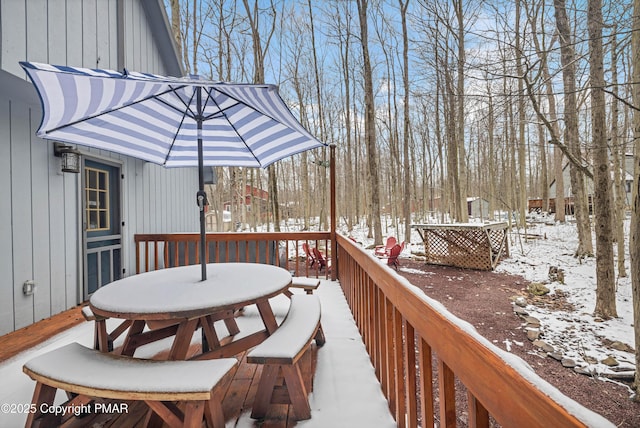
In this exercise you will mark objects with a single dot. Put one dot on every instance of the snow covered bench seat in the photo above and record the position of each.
(91, 373)
(307, 284)
(280, 354)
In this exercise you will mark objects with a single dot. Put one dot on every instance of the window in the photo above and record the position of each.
(97, 197)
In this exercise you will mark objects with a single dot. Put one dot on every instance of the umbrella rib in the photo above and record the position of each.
(184, 115)
(222, 113)
(84, 119)
(186, 105)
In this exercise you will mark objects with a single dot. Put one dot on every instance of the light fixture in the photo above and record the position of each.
(70, 157)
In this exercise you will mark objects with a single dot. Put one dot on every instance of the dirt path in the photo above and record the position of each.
(484, 300)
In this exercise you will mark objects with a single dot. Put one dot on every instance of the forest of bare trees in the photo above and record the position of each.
(432, 102)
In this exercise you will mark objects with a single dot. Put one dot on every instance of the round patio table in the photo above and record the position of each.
(175, 302)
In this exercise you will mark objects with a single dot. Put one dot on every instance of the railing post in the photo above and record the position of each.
(334, 243)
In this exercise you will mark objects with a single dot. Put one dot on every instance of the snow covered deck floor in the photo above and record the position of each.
(346, 392)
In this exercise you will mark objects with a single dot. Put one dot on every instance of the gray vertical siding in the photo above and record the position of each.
(40, 230)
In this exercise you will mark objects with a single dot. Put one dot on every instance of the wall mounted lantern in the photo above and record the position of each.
(70, 157)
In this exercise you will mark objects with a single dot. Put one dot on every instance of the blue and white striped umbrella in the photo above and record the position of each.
(155, 118)
(175, 122)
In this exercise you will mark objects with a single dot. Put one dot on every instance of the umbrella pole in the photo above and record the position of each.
(202, 195)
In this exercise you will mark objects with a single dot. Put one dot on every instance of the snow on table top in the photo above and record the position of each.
(77, 364)
(181, 289)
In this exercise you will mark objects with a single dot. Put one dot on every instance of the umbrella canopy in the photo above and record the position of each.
(175, 122)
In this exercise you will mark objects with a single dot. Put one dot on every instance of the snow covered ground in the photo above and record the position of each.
(575, 335)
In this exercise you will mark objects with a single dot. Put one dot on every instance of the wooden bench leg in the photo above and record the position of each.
(193, 412)
(213, 412)
(101, 336)
(319, 337)
(42, 395)
(297, 391)
(266, 386)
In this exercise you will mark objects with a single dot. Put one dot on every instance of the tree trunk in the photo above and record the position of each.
(634, 238)
(406, 200)
(370, 125)
(567, 57)
(460, 140)
(521, 187)
(618, 152)
(605, 274)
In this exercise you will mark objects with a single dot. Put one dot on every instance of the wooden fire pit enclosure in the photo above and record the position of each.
(466, 245)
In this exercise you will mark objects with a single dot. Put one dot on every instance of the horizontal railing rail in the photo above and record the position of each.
(284, 249)
(413, 339)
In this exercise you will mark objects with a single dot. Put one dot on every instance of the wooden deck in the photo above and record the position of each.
(238, 398)
(20, 340)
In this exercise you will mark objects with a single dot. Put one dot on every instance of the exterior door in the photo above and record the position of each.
(102, 225)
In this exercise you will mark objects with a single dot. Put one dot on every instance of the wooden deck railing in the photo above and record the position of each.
(159, 251)
(411, 339)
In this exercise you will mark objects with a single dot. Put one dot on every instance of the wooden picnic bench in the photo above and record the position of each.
(280, 354)
(198, 385)
(309, 285)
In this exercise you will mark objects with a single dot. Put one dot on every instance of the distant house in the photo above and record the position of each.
(211, 222)
(64, 235)
(627, 173)
(478, 207)
(254, 199)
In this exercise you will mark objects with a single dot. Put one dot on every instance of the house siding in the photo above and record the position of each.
(40, 214)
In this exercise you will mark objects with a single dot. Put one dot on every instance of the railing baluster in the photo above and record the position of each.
(146, 256)
(426, 384)
(410, 371)
(166, 253)
(478, 415)
(447, 394)
(398, 369)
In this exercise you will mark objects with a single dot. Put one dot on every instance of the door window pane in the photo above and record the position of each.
(97, 197)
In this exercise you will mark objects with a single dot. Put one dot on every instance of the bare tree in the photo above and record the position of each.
(605, 274)
(618, 153)
(521, 199)
(406, 201)
(370, 124)
(259, 54)
(634, 239)
(463, 214)
(568, 58)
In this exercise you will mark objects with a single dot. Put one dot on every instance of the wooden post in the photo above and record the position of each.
(334, 243)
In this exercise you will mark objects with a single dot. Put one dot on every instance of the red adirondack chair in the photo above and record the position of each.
(392, 258)
(311, 260)
(322, 261)
(382, 251)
